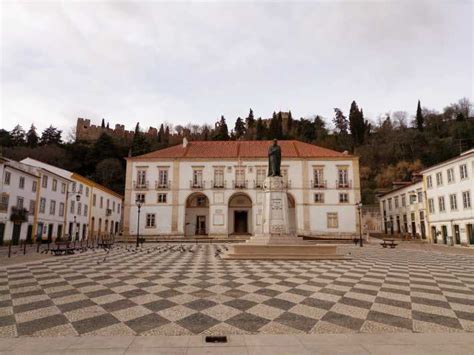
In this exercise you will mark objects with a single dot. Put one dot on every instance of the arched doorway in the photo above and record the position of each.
(196, 219)
(291, 214)
(240, 214)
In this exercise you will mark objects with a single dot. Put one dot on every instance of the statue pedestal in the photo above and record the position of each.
(275, 242)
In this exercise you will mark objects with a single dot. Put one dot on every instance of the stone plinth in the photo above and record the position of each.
(275, 242)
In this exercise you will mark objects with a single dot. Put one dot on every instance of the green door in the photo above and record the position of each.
(16, 233)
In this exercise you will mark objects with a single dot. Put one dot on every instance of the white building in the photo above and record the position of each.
(449, 189)
(86, 207)
(215, 188)
(403, 210)
(18, 199)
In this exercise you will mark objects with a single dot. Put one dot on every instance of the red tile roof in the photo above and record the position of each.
(241, 149)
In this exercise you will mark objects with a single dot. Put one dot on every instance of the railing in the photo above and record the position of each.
(318, 184)
(141, 185)
(240, 184)
(197, 184)
(18, 215)
(162, 185)
(108, 212)
(343, 184)
(218, 184)
(258, 184)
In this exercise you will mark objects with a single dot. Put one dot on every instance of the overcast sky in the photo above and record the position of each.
(192, 62)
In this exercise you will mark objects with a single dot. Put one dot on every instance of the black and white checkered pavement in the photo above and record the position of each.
(165, 291)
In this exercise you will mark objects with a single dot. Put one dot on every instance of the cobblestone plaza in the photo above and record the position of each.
(165, 290)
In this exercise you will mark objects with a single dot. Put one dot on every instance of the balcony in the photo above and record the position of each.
(108, 212)
(142, 185)
(197, 185)
(240, 184)
(343, 184)
(18, 215)
(218, 184)
(162, 185)
(318, 184)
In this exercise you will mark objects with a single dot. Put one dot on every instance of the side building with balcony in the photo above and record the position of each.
(214, 188)
(403, 209)
(449, 191)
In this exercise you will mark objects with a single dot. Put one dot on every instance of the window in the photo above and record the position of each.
(412, 215)
(52, 207)
(81, 188)
(101, 203)
(422, 216)
(439, 179)
(420, 196)
(431, 206)
(240, 177)
(34, 186)
(463, 171)
(4, 202)
(21, 184)
(442, 207)
(344, 198)
(32, 207)
(404, 200)
(42, 206)
(118, 207)
(319, 198)
(79, 208)
(163, 178)
(384, 206)
(412, 198)
(284, 175)
(466, 199)
(94, 199)
(332, 220)
(61, 209)
(44, 182)
(389, 204)
(450, 175)
(429, 182)
(8, 176)
(72, 207)
(19, 202)
(150, 220)
(73, 187)
(113, 206)
(197, 178)
(140, 197)
(63, 188)
(86, 208)
(261, 175)
(201, 201)
(55, 185)
(87, 191)
(108, 204)
(453, 202)
(343, 177)
(395, 200)
(161, 198)
(141, 178)
(318, 176)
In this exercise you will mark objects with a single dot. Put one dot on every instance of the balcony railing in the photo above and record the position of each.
(18, 215)
(344, 184)
(140, 185)
(240, 184)
(197, 184)
(218, 184)
(162, 185)
(108, 212)
(258, 184)
(318, 184)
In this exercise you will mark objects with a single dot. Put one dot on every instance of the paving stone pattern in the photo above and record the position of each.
(173, 292)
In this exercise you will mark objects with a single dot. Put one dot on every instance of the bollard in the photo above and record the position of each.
(37, 247)
(24, 248)
(9, 249)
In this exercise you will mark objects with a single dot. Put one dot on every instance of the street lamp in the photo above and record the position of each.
(139, 203)
(359, 209)
(78, 198)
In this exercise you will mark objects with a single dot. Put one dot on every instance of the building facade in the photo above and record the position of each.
(215, 189)
(449, 190)
(403, 210)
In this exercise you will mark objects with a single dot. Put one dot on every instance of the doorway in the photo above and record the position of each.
(60, 231)
(434, 237)
(457, 234)
(50, 232)
(16, 233)
(2, 232)
(444, 233)
(240, 222)
(29, 233)
(469, 229)
(200, 225)
(423, 230)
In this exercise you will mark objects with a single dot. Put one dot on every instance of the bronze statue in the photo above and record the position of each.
(274, 159)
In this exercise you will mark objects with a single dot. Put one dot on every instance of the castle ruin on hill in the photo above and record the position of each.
(87, 132)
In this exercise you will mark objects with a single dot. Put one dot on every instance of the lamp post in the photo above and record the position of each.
(139, 205)
(359, 209)
(78, 198)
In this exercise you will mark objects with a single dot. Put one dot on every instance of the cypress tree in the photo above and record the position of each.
(239, 129)
(260, 130)
(103, 123)
(419, 117)
(32, 137)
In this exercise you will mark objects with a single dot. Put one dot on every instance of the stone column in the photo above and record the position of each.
(275, 207)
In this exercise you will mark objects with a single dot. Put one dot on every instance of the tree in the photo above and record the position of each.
(103, 123)
(250, 126)
(166, 138)
(32, 137)
(221, 132)
(419, 118)
(109, 172)
(51, 135)
(356, 124)
(275, 130)
(5, 138)
(239, 129)
(140, 144)
(260, 130)
(103, 148)
(17, 136)
(340, 121)
(161, 134)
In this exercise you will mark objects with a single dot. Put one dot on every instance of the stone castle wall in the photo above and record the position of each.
(87, 132)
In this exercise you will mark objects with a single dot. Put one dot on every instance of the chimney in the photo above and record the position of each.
(185, 142)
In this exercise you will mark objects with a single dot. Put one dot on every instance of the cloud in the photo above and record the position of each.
(191, 62)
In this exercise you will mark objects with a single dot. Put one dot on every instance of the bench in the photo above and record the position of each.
(388, 243)
(63, 248)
